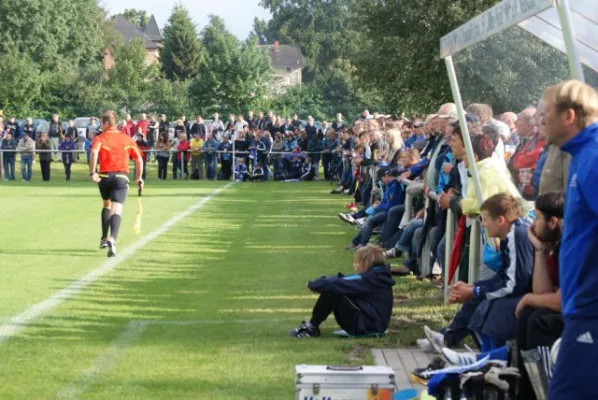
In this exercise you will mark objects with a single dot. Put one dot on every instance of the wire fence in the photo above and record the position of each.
(9, 157)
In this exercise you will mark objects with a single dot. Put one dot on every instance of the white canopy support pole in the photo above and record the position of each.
(473, 170)
(474, 251)
(575, 65)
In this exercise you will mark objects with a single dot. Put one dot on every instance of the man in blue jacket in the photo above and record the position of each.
(571, 122)
(361, 303)
(378, 212)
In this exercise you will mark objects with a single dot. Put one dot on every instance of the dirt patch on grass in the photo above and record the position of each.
(359, 354)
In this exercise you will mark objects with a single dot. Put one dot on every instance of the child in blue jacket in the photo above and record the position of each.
(361, 303)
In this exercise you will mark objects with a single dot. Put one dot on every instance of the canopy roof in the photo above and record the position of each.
(540, 18)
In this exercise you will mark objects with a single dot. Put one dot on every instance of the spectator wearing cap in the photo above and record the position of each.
(67, 148)
(417, 135)
(378, 211)
(523, 163)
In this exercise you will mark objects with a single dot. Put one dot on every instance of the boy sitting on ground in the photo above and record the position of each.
(307, 170)
(361, 303)
(501, 217)
(258, 173)
(241, 173)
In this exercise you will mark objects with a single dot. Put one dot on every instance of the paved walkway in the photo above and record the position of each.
(402, 361)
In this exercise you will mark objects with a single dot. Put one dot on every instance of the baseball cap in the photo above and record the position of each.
(384, 171)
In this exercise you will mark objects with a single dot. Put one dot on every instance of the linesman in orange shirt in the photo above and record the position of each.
(112, 151)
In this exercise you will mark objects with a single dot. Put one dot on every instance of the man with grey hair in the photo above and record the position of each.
(523, 163)
(510, 118)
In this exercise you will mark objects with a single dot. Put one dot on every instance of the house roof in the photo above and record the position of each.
(285, 57)
(131, 32)
(152, 31)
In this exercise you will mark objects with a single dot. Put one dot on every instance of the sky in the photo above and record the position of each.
(237, 14)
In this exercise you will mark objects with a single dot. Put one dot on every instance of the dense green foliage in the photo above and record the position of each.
(380, 55)
(181, 55)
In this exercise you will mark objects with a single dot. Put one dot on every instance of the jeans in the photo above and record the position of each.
(67, 170)
(152, 145)
(162, 167)
(364, 235)
(226, 169)
(55, 144)
(405, 242)
(391, 226)
(8, 163)
(211, 166)
(366, 193)
(26, 163)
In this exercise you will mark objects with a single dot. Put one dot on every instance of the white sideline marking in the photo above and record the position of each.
(107, 360)
(17, 323)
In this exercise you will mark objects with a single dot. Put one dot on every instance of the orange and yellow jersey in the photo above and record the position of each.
(114, 150)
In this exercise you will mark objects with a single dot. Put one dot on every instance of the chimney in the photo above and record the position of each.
(276, 45)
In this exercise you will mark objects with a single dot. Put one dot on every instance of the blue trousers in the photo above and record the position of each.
(26, 164)
(575, 374)
(364, 235)
(9, 167)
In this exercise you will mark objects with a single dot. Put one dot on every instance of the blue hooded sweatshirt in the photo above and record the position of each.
(578, 272)
(370, 291)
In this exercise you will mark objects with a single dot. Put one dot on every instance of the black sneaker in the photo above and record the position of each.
(304, 330)
(421, 375)
(103, 243)
(111, 248)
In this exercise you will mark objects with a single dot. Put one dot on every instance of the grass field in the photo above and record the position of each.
(200, 312)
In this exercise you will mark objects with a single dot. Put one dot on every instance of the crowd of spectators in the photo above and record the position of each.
(271, 147)
(539, 223)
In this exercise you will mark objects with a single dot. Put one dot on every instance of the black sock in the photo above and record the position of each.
(106, 214)
(114, 225)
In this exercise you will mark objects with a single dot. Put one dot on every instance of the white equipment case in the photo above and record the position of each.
(321, 382)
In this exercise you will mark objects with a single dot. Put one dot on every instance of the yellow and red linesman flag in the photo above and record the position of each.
(137, 227)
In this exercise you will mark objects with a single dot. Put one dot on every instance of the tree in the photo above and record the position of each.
(130, 80)
(20, 83)
(233, 75)
(139, 18)
(405, 64)
(182, 53)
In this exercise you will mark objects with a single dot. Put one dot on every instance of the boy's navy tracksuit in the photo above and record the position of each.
(498, 295)
(576, 370)
(362, 304)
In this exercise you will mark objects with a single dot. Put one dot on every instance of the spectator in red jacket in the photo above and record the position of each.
(143, 123)
(182, 154)
(129, 127)
(524, 161)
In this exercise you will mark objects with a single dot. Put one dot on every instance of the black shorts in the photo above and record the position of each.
(114, 187)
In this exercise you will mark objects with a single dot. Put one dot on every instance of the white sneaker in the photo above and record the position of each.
(425, 345)
(459, 359)
(436, 339)
(347, 218)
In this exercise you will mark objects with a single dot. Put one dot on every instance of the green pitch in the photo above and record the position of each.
(199, 312)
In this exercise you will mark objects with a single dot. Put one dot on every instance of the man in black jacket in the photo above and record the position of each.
(199, 128)
(55, 133)
(310, 128)
(252, 123)
(164, 125)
